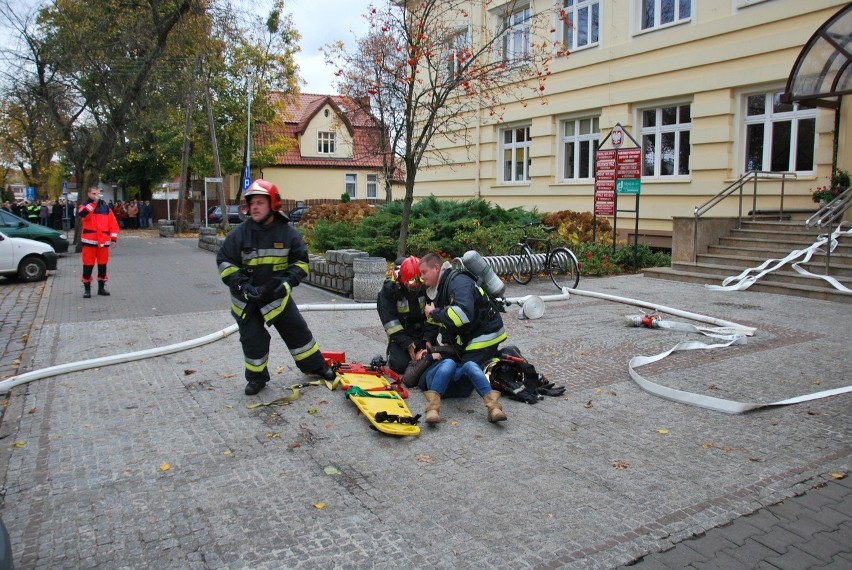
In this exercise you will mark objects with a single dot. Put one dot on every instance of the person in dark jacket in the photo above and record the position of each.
(400, 304)
(469, 323)
(467, 319)
(261, 261)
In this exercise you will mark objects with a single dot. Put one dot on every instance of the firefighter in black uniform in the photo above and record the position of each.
(462, 311)
(261, 261)
(400, 303)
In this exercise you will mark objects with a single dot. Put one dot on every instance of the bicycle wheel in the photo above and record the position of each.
(562, 266)
(523, 264)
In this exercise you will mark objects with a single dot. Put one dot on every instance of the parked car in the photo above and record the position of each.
(236, 214)
(296, 213)
(27, 259)
(13, 226)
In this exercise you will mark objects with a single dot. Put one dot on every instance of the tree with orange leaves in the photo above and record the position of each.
(431, 68)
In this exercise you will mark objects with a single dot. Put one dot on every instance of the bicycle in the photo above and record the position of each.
(558, 262)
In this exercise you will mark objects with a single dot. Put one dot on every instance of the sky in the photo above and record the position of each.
(321, 22)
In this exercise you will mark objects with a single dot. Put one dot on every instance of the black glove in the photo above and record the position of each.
(237, 284)
(249, 292)
(279, 288)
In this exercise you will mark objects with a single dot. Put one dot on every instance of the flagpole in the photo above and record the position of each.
(246, 177)
(248, 129)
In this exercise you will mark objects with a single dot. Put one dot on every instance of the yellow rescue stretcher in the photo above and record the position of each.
(377, 392)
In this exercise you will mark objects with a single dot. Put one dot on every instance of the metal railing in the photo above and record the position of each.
(752, 176)
(827, 216)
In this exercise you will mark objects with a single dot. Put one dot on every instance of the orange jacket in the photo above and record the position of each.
(99, 225)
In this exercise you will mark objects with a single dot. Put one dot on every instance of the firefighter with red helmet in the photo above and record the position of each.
(400, 304)
(261, 261)
(100, 230)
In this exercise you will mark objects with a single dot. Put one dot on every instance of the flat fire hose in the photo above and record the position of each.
(745, 279)
(709, 402)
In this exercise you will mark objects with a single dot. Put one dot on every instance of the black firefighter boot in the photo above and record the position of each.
(87, 290)
(102, 289)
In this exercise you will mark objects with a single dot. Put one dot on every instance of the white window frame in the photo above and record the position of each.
(326, 142)
(580, 11)
(516, 29)
(578, 139)
(769, 118)
(658, 131)
(657, 6)
(350, 184)
(457, 43)
(372, 186)
(514, 147)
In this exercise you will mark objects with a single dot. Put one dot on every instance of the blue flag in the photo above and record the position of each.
(245, 181)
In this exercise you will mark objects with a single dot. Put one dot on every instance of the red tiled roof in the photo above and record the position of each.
(298, 112)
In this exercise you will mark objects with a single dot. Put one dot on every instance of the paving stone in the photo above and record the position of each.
(794, 559)
(89, 490)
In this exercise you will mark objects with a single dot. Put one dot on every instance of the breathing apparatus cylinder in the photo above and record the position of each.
(485, 276)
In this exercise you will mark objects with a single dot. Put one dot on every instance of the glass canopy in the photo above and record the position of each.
(822, 72)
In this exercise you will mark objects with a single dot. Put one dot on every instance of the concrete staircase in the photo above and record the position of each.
(758, 241)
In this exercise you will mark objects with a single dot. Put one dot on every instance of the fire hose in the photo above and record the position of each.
(748, 277)
(738, 333)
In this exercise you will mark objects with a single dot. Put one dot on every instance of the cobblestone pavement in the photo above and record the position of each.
(158, 462)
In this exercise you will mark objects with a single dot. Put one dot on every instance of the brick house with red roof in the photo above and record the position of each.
(335, 150)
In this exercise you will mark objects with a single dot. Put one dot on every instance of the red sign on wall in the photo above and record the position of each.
(604, 208)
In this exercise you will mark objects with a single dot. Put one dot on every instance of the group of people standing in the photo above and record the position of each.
(133, 214)
(48, 213)
(264, 257)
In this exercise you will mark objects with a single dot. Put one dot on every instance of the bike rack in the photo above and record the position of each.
(505, 264)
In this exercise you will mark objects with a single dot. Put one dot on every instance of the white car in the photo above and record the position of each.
(26, 258)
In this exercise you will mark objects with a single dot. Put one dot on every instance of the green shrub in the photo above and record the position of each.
(452, 228)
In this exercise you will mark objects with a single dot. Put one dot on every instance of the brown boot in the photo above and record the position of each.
(433, 407)
(495, 411)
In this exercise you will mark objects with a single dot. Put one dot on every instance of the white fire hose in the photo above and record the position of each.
(530, 303)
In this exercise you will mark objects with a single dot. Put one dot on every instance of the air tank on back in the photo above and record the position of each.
(485, 276)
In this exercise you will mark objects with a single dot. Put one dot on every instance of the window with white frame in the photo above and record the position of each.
(579, 141)
(665, 140)
(516, 154)
(658, 13)
(515, 28)
(326, 142)
(352, 185)
(372, 186)
(580, 23)
(778, 136)
(458, 51)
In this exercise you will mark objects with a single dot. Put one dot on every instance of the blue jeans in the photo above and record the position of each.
(453, 380)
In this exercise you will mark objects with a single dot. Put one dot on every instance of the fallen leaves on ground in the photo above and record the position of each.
(838, 475)
(312, 410)
(165, 466)
(330, 470)
(424, 458)
(319, 506)
(228, 453)
(620, 464)
(272, 435)
(663, 431)
(188, 371)
(228, 375)
(31, 411)
(588, 404)
(19, 443)
(707, 445)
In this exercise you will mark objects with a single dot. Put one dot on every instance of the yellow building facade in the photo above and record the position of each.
(696, 83)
